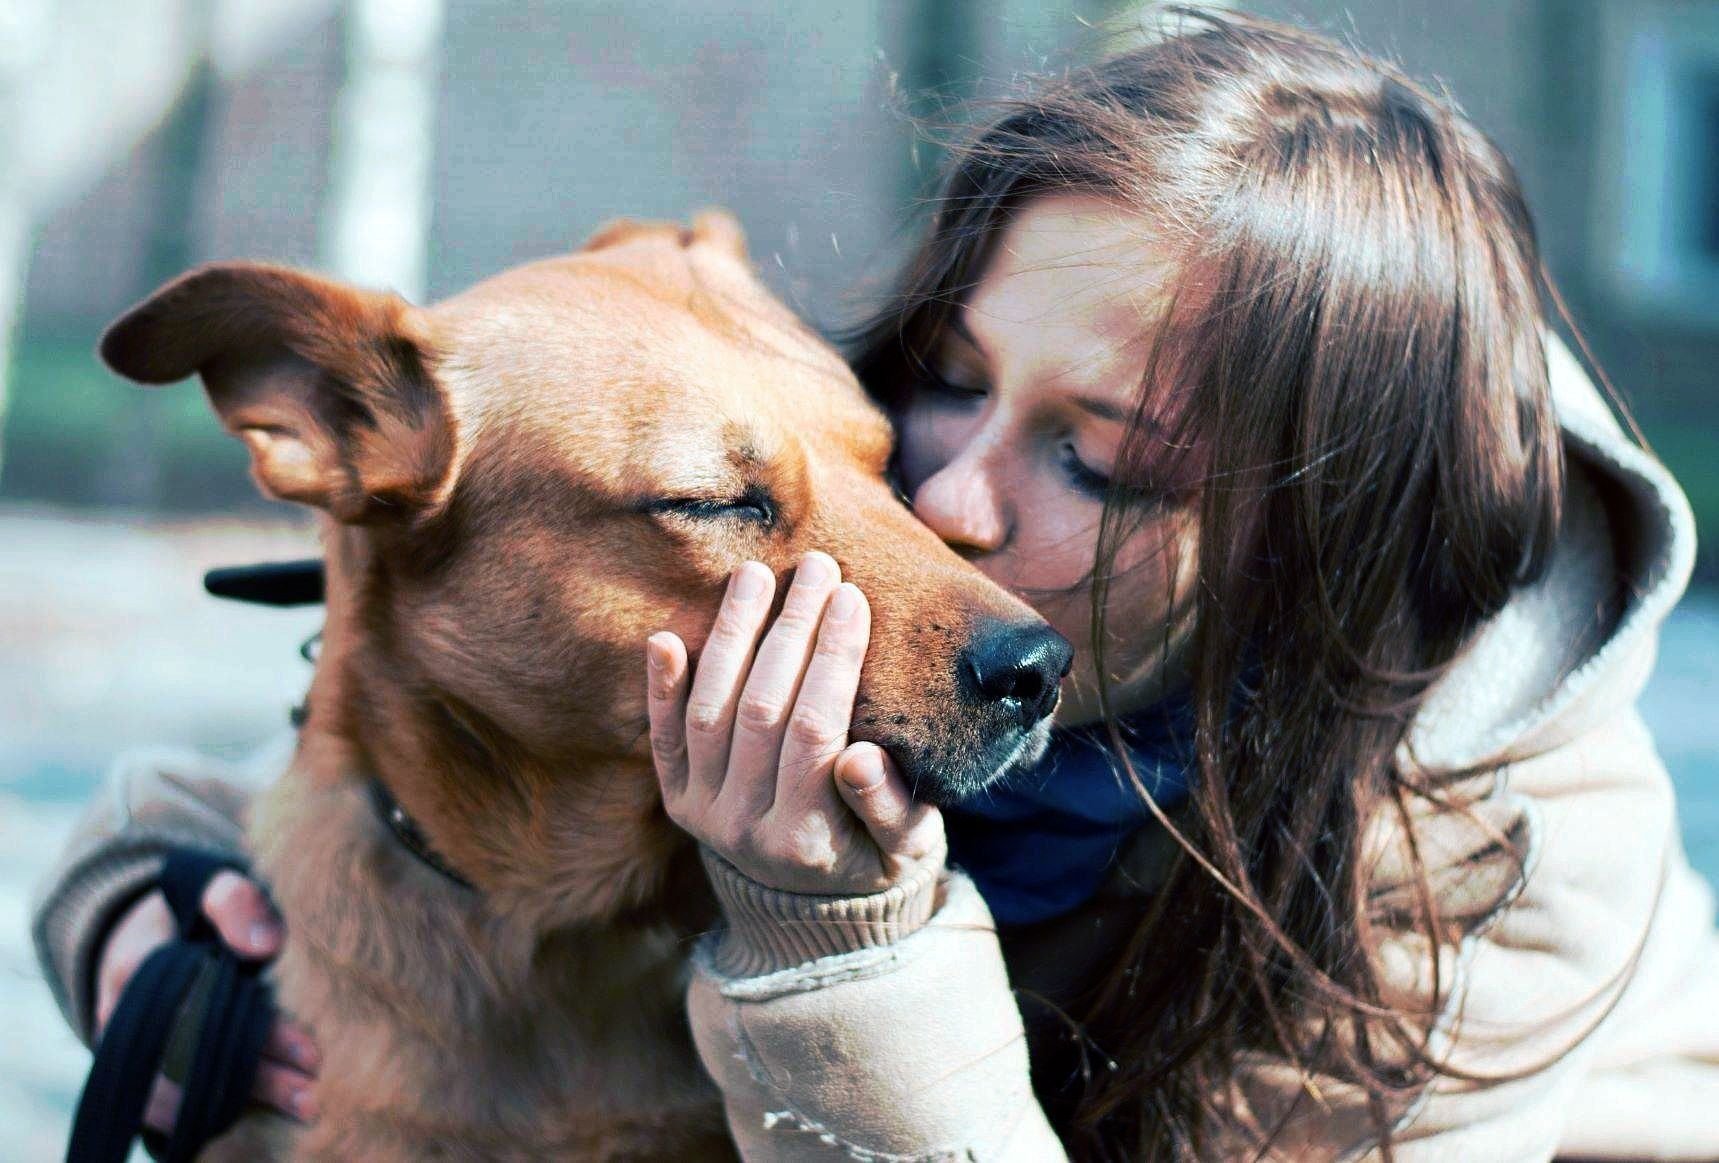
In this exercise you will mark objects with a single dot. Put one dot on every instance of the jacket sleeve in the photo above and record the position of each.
(151, 801)
(870, 1028)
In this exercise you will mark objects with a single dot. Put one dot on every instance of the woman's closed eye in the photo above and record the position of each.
(1097, 486)
(1086, 480)
(951, 388)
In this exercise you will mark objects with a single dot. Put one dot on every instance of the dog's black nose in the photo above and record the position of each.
(1016, 666)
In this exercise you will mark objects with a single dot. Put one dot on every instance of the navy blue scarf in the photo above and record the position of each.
(1040, 843)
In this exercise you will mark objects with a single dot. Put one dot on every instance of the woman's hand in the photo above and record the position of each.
(753, 751)
(249, 927)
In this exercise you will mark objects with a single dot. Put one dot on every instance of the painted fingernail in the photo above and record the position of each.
(815, 569)
(845, 604)
(749, 584)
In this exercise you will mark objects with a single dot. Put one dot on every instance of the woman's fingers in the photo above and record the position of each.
(285, 1089)
(247, 923)
(290, 1044)
(722, 668)
(748, 745)
(817, 728)
(242, 915)
(773, 690)
(875, 791)
(145, 927)
(236, 905)
(666, 691)
(162, 1109)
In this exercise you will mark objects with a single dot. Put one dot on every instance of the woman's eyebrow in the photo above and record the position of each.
(1108, 409)
(1102, 408)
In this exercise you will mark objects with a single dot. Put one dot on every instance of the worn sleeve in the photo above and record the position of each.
(871, 1028)
(151, 801)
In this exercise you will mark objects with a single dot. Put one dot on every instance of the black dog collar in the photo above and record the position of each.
(301, 583)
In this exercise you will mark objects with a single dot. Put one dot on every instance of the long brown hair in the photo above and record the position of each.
(1355, 341)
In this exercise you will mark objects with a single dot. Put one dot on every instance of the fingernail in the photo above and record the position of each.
(815, 569)
(749, 584)
(656, 653)
(263, 935)
(304, 1053)
(304, 1104)
(866, 771)
(845, 604)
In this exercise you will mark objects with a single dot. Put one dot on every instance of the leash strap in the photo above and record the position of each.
(151, 1023)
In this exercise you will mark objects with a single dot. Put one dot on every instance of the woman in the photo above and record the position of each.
(1228, 356)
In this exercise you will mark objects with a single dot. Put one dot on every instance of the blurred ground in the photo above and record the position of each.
(108, 642)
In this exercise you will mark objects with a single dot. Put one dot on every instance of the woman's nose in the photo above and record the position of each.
(962, 505)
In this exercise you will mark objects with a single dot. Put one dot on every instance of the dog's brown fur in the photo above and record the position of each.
(504, 477)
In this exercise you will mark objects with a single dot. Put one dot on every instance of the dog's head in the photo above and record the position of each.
(526, 480)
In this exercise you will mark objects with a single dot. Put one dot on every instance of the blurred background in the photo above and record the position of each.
(422, 144)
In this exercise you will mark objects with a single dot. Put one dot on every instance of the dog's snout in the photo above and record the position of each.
(1016, 667)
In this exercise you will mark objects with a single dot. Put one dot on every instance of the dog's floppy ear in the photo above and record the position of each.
(329, 387)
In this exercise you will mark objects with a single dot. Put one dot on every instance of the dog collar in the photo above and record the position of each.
(411, 837)
(302, 583)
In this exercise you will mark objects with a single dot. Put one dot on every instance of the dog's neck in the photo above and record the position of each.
(414, 987)
(392, 962)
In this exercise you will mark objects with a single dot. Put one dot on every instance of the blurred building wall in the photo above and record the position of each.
(553, 117)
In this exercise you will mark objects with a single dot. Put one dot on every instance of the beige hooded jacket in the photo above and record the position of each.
(887, 1028)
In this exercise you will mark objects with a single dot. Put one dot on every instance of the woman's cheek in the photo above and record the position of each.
(1146, 623)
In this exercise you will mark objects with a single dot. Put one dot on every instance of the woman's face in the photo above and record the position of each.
(1007, 449)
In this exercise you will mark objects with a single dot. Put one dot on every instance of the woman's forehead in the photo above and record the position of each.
(1074, 278)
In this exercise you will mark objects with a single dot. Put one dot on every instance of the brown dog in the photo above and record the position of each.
(520, 484)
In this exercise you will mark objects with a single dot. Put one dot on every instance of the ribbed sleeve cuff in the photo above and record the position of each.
(73, 924)
(770, 930)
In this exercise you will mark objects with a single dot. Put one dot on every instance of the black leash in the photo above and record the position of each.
(194, 1010)
(195, 1004)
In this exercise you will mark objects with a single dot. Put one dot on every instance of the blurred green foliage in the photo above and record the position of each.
(76, 433)
(1689, 447)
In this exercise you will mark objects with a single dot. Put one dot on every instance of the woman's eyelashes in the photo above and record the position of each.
(961, 388)
(1145, 494)
(1086, 480)
(949, 387)
(953, 389)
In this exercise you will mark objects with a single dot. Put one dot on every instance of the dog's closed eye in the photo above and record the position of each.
(755, 505)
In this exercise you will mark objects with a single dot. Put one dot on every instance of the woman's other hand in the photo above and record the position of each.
(248, 926)
(752, 751)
